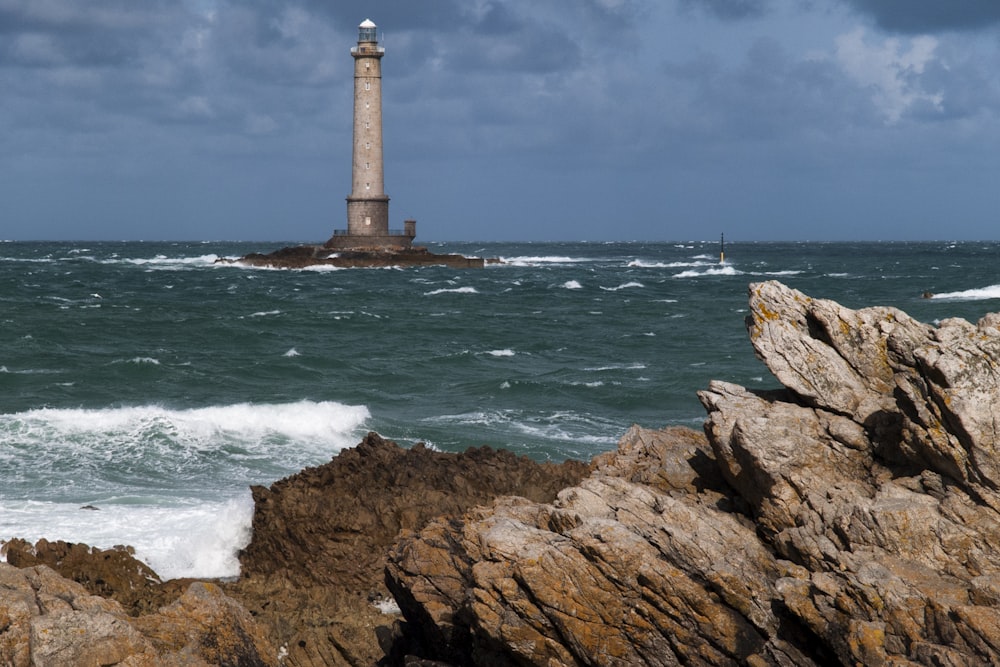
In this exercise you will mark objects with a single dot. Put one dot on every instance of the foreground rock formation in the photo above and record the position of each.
(849, 518)
(309, 577)
(315, 564)
(46, 619)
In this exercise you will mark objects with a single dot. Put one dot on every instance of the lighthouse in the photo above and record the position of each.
(368, 204)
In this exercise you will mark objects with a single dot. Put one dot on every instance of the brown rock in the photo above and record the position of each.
(114, 573)
(330, 525)
(315, 564)
(46, 619)
(612, 572)
(849, 518)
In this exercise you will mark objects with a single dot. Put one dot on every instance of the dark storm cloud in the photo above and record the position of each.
(729, 9)
(930, 16)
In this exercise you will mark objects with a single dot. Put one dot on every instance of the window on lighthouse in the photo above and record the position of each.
(368, 85)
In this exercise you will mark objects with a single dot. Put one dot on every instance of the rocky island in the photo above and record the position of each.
(303, 256)
(849, 517)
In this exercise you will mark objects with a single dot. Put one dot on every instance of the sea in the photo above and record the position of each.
(145, 386)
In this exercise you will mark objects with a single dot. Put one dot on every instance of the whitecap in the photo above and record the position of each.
(454, 290)
(292, 353)
(542, 260)
(264, 313)
(616, 367)
(164, 262)
(643, 264)
(976, 294)
(501, 353)
(165, 459)
(572, 284)
(144, 360)
(623, 286)
(724, 271)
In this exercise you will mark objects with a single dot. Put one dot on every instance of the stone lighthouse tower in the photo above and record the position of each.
(368, 205)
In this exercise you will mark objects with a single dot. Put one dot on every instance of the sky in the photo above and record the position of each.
(504, 120)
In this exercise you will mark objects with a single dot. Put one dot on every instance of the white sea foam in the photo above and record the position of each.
(616, 367)
(387, 606)
(164, 262)
(501, 353)
(622, 286)
(292, 353)
(144, 360)
(977, 294)
(453, 290)
(543, 260)
(562, 426)
(194, 540)
(264, 313)
(171, 483)
(572, 284)
(725, 270)
(644, 264)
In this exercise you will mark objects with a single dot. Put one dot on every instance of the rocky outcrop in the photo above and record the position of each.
(311, 574)
(46, 619)
(303, 256)
(320, 537)
(848, 518)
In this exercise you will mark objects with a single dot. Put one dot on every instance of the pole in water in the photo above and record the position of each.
(722, 248)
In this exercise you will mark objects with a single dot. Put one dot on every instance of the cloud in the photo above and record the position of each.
(893, 73)
(729, 9)
(930, 16)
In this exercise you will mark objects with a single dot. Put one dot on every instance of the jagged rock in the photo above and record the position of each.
(614, 571)
(849, 518)
(331, 524)
(315, 563)
(46, 619)
(113, 573)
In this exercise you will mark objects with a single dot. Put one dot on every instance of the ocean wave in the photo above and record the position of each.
(636, 366)
(157, 474)
(198, 540)
(151, 361)
(643, 264)
(724, 271)
(976, 294)
(622, 286)
(501, 353)
(571, 427)
(572, 284)
(453, 290)
(165, 262)
(543, 260)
